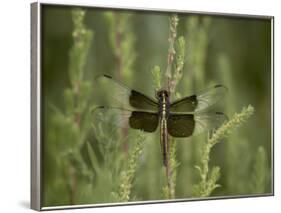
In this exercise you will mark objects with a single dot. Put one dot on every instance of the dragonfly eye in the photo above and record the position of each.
(158, 94)
(167, 94)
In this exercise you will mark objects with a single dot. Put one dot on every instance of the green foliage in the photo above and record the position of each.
(261, 174)
(127, 176)
(70, 128)
(180, 59)
(198, 38)
(156, 77)
(171, 51)
(169, 191)
(122, 41)
(208, 181)
(82, 38)
(226, 129)
(207, 185)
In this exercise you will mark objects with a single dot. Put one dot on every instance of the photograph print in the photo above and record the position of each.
(142, 106)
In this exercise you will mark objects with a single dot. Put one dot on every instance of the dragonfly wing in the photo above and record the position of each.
(145, 121)
(181, 125)
(187, 104)
(124, 96)
(210, 97)
(208, 121)
(124, 118)
(200, 102)
(185, 125)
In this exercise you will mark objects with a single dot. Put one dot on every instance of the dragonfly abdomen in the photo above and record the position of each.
(164, 140)
(164, 105)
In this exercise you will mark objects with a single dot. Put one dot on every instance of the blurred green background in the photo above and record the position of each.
(82, 165)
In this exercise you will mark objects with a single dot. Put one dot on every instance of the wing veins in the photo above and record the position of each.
(124, 96)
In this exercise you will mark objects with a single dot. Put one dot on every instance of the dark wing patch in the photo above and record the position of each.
(185, 125)
(202, 101)
(141, 101)
(187, 104)
(145, 121)
(181, 125)
(123, 97)
(123, 118)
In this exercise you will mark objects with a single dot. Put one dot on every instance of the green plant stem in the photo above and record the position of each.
(128, 175)
(208, 179)
(168, 75)
(172, 77)
(261, 172)
(122, 43)
(81, 41)
(180, 56)
(122, 40)
(171, 50)
(173, 164)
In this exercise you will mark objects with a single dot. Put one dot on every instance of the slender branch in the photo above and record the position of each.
(82, 38)
(122, 41)
(128, 175)
(171, 50)
(170, 84)
(177, 74)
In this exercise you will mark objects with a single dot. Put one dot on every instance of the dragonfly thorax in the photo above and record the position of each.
(163, 97)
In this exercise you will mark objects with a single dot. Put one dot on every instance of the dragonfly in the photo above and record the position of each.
(182, 118)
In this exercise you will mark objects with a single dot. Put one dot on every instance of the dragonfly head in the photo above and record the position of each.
(162, 93)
